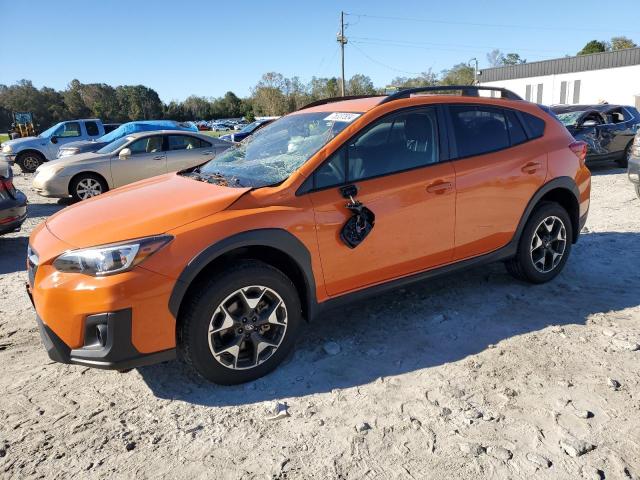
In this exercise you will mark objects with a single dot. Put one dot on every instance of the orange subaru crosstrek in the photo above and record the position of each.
(220, 265)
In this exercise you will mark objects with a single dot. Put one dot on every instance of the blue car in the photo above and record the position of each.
(123, 130)
(247, 131)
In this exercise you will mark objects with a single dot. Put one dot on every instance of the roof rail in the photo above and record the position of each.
(324, 101)
(467, 91)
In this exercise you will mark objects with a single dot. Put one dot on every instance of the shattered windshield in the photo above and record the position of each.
(569, 118)
(276, 151)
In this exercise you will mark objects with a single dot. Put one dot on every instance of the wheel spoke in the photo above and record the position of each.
(259, 345)
(536, 243)
(251, 302)
(232, 349)
(226, 324)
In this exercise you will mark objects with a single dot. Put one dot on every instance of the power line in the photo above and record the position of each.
(381, 63)
(384, 41)
(492, 25)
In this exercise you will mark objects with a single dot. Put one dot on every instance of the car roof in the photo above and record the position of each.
(359, 105)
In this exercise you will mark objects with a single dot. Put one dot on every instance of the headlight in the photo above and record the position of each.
(110, 259)
(67, 152)
(46, 172)
(7, 149)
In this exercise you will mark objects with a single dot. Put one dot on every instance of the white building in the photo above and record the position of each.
(612, 77)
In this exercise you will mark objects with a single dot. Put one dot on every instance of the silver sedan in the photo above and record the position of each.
(126, 160)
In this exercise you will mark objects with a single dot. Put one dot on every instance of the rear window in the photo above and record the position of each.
(92, 129)
(479, 130)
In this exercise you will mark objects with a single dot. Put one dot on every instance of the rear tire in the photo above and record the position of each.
(544, 246)
(29, 161)
(241, 324)
(87, 185)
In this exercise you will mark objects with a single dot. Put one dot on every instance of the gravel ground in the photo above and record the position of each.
(470, 376)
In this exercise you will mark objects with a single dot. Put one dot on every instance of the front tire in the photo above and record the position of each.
(544, 246)
(241, 324)
(29, 161)
(87, 185)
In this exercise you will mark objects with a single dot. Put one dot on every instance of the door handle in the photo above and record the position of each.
(159, 157)
(439, 187)
(531, 167)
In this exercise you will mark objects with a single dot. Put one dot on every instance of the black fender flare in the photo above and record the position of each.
(565, 183)
(276, 238)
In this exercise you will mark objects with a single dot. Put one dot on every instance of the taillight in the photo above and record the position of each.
(580, 149)
(6, 185)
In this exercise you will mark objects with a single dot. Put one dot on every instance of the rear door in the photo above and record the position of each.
(499, 165)
(395, 166)
(147, 159)
(187, 151)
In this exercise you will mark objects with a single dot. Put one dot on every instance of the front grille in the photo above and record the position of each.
(32, 264)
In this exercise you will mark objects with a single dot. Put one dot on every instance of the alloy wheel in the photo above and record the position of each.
(247, 327)
(88, 187)
(548, 244)
(31, 162)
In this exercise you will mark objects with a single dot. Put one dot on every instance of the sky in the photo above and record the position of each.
(208, 48)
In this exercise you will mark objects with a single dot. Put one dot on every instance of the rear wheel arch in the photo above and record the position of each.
(561, 190)
(275, 247)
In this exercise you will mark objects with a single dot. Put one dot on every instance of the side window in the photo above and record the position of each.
(69, 129)
(396, 143)
(146, 145)
(478, 130)
(92, 128)
(516, 132)
(534, 124)
(185, 142)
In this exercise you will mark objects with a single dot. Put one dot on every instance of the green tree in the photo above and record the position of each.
(594, 46)
(495, 58)
(268, 95)
(620, 43)
(460, 74)
(425, 79)
(513, 59)
(360, 85)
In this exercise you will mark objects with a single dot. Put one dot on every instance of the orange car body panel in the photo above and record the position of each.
(415, 229)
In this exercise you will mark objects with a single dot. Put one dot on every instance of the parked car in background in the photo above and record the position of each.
(607, 129)
(221, 265)
(13, 203)
(633, 169)
(31, 152)
(110, 127)
(219, 127)
(247, 131)
(128, 128)
(126, 160)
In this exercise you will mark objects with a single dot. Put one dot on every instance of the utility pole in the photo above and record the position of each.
(475, 70)
(342, 40)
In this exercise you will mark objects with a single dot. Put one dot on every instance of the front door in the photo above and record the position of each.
(147, 159)
(395, 166)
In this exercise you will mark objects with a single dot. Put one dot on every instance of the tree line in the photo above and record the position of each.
(273, 95)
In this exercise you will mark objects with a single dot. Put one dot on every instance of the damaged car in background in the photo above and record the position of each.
(608, 130)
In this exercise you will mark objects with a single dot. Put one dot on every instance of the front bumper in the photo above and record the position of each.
(110, 349)
(54, 187)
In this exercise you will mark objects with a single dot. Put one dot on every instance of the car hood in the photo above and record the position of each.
(87, 157)
(21, 143)
(141, 209)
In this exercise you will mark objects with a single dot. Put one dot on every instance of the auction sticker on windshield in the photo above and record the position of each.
(342, 117)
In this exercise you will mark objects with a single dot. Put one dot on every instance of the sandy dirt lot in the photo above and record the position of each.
(470, 376)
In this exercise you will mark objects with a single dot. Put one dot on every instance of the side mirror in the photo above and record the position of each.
(124, 154)
(54, 139)
(589, 123)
